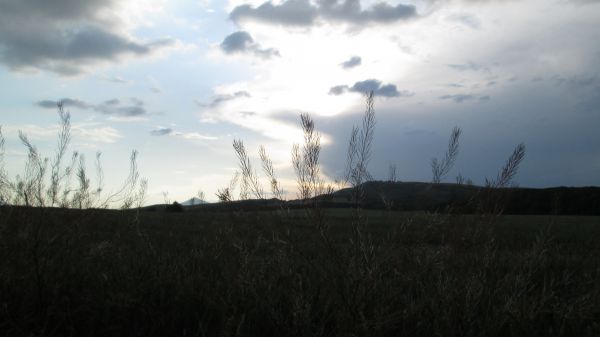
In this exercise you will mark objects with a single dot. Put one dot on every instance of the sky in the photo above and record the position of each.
(179, 80)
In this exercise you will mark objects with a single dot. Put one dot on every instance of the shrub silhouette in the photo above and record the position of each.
(175, 207)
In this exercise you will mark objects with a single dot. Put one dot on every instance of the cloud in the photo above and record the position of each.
(301, 13)
(114, 107)
(459, 98)
(161, 131)
(388, 90)
(113, 79)
(469, 66)
(65, 36)
(242, 42)
(354, 61)
(467, 20)
(88, 132)
(167, 131)
(288, 13)
(91, 133)
(338, 90)
(195, 136)
(67, 102)
(217, 100)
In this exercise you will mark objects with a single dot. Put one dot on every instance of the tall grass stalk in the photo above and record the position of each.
(249, 177)
(441, 167)
(359, 148)
(267, 165)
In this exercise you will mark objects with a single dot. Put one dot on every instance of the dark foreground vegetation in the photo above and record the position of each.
(298, 273)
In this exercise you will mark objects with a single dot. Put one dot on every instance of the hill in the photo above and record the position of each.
(419, 196)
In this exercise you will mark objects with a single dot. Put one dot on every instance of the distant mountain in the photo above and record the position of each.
(408, 195)
(193, 202)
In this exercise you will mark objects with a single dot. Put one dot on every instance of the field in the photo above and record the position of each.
(314, 272)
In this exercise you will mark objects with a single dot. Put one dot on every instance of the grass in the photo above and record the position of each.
(129, 273)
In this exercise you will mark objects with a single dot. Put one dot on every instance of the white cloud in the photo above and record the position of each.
(81, 132)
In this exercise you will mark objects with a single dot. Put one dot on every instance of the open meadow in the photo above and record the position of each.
(306, 272)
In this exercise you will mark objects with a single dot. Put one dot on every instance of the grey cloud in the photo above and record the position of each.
(64, 36)
(166, 131)
(116, 108)
(303, 13)
(242, 42)
(123, 111)
(47, 104)
(237, 42)
(161, 131)
(388, 90)
(459, 98)
(354, 61)
(94, 42)
(470, 66)
(67, 102)
(137, 101)
(220, 99)
(112, 107)
(288, 13)
(583, 89)
(113, 101)
(350, 11)
(56, 9)
(338, 90)
(368, 86)
(578, 82)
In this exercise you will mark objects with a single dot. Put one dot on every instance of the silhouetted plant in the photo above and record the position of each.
(3, 176)
(64, 137)
(267, 165)
(359, 146)
(494, 194)
(359, 152)
(509, 170)
(249, 177)
(440, 168)
(392, 173)
(461, 180)
(306, 161)
(226, 194)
